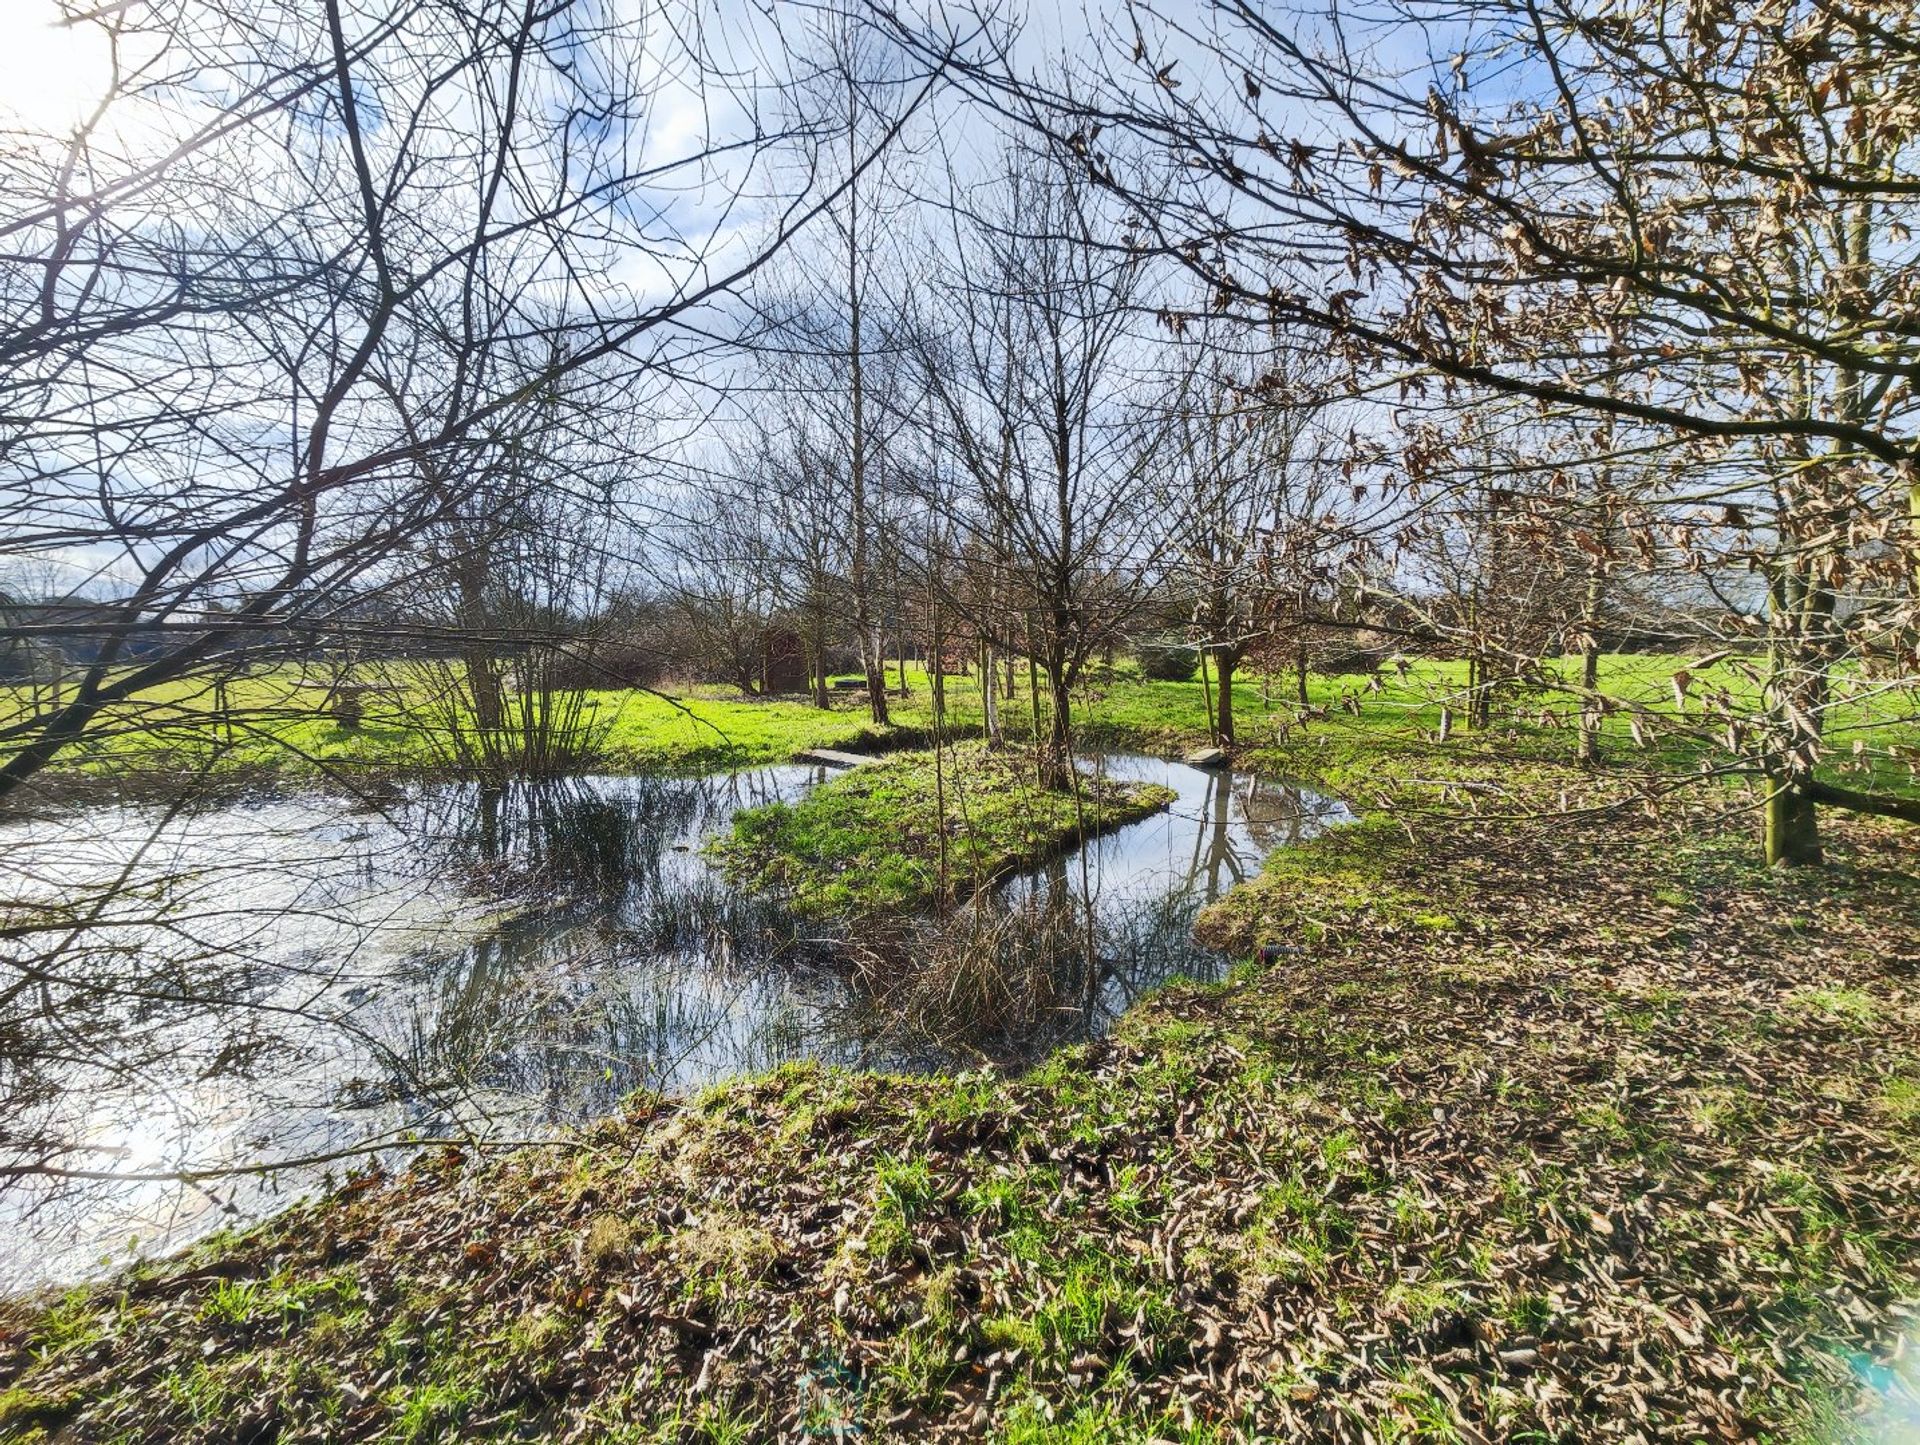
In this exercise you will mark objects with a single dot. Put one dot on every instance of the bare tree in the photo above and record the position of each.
(1255, 535)
(832, 318)
(1034, 385)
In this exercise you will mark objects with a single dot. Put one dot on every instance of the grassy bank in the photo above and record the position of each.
(1571, 1128)
(914, 827)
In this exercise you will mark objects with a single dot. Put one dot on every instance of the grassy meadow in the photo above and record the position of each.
(276, 723)
(875, 839)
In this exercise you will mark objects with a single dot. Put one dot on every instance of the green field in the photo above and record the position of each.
(274, 722)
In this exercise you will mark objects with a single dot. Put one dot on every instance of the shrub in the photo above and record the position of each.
(1168, 662)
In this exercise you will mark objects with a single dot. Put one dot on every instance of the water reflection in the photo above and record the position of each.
(289, 977)
(1134, 894)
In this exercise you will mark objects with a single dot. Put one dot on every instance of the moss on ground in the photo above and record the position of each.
(1626, 1148)
(894, 834)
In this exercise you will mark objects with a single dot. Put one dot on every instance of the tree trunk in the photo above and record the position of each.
(873, 660)
(1590, 709)
(1592, 712)
(1796, 695)
(1227, 663)
(1479, 695)
(1792, 835)
(483, 682)
(937, 661)
(817, 660)
(476, 651)
(1057, 760)
(990, 694)
(1300, 672)
(1206, 696)
(1913, 531)
(1033, 690)
(1800, 613)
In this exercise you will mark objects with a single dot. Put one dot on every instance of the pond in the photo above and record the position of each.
(301, 978)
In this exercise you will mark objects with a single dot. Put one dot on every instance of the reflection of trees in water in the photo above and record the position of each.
(171, 981)
(569, 1009)
(1009, 977)
(640, 963)
(1060, 953)
(615, 834)
(563, 830)
(222, 989)
(629, 962)
(1282, 815)
(277, 980)
(1272, 814)
(1215, 858)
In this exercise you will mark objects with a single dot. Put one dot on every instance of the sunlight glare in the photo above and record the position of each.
(50, 74)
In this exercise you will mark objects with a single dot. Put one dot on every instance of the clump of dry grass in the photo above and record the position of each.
(983, 976)
(609, 1242)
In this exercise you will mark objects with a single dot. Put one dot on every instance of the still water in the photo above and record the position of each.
(299, 977)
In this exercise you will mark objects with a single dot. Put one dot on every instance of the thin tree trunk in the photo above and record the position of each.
(940, 795)
(1059, 750)
(817, 660)
(872, 659)
(1033, 687)
(937, 658)
(1228, 662)
(1206, 694)
(990, 694)
(1591, 711)
(1479, 694)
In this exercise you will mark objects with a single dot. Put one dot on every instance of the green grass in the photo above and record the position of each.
(871, 839)
(1350, 723)
(1487, 1095)
(282, 729)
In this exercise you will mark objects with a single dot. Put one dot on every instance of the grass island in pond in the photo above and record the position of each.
(899, 832)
